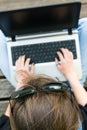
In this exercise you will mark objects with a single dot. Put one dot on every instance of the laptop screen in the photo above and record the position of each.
(40, 19)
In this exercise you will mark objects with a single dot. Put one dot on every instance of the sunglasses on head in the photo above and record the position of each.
(28, 90)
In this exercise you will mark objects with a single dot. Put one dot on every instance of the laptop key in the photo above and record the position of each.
(42, 52)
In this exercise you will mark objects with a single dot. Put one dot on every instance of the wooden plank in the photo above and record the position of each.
(11, 5)
(84, 1)
(1, 75)
(3, 106)
(5, 87)
(18, 4)
(5, 90)
(83, 12)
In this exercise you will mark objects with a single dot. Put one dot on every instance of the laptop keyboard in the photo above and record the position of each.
(41, 53)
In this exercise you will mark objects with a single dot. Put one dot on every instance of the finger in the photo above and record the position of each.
(65, 52)
(56, 61)
(61, 57)
(71, 55)
(58, 65)
(22, 61)
(27, 64)
(18, 62)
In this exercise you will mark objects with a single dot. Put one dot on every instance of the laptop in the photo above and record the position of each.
(39, 32)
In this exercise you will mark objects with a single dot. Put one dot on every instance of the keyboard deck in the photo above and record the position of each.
(41, 53)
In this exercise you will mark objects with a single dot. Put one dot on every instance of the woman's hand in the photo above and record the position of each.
(65, 65)
(23, 70)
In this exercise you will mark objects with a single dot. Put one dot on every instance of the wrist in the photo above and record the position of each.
(19, 84)
(71, 75)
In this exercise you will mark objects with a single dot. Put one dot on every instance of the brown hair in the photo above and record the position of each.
(45, 110)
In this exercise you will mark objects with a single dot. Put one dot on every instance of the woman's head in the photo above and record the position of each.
(45, 110)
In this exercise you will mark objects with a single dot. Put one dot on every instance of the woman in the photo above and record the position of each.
(48, 104)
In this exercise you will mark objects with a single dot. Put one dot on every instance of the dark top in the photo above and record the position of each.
(5, 123)
(84, 114)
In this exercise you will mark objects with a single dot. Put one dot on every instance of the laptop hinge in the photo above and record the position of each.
(70, 31)
(13, 38)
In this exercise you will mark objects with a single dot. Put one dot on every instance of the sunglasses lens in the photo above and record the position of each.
(29, 90)
(55, 87)
(22, 93)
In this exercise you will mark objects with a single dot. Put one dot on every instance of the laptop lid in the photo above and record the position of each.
(41, 19)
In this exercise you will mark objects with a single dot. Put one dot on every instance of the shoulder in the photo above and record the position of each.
(4, 123)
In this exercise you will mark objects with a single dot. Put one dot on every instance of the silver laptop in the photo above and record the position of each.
(39, 33)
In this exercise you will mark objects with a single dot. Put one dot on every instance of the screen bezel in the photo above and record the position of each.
(74, 23)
